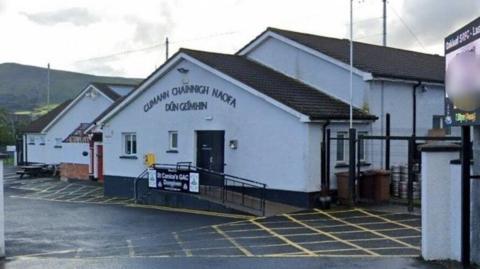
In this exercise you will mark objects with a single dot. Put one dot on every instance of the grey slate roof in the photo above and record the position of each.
(380, 61)
(39, 124)
(288, 91)
(105, 89)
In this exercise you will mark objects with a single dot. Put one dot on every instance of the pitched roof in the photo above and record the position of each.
(106, 111)
(288, 91)
(39, 124)
(380, 61)
(106, 88)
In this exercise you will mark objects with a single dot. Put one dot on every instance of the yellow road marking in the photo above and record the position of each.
(313, 213)
(182, 246)
(368, 230)
(284, 239)
(192, 211)
(242, 249)
(388, 220)
(377, 230)
(331, 236)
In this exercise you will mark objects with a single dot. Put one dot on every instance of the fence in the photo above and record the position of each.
(373, 151)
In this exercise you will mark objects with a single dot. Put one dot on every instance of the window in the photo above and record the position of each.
(129, 144)
(439, 123)
(42, 140)
(58, 143)
(342, 146)
(361, 147)
(173, 140)
(31, 140)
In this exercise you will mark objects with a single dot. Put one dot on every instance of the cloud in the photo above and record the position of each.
(75, 16)
(99, 68)
(429, 20)
(148, 32)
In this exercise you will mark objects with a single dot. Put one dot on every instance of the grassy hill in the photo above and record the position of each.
(24, 87)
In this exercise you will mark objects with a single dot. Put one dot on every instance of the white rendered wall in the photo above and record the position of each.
(274, 146)
(325, 76)
(395, 97)
(441, 198)
(84, 111)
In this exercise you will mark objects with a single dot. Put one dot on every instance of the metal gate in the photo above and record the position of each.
(355, 166)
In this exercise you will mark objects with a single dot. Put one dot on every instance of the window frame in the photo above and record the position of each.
(344, 147)
(171, 134)
(441, 122)
(364, 158)
(132, 140)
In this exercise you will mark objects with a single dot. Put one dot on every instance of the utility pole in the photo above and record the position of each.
(48, 84)
(166, 48)
(384, 23)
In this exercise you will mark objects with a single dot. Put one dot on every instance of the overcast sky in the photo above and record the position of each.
(103, 36)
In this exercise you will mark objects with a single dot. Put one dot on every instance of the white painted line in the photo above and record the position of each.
(131, 251)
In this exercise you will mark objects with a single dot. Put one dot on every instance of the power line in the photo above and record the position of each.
(151, 47)
(406, 26)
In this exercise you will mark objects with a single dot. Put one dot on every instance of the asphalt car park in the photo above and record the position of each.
(47, 219)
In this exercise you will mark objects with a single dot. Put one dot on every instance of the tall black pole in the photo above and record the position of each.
(351, 168)
(387, 143)
(465, 185)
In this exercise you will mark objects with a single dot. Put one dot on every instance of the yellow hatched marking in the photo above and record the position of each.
(192, 211)
(182, 245)
(389, 220)
(368, 230)
(331, 235)
(242, 249)
(284, 239)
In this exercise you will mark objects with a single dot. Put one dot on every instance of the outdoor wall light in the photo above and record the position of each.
(182, 70)
(233, 144)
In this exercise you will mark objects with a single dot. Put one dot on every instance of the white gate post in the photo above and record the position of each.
(441, 219)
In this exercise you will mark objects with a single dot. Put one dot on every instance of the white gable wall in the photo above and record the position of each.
(395, 97)
(319, 73)
(85, 110)
(273, 145)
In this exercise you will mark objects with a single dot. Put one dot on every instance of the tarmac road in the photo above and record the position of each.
(53, 224)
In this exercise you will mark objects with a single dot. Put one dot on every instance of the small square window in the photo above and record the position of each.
(362, 156)
(129, 144)
(342, 146)
(58, 141)
(173, 140)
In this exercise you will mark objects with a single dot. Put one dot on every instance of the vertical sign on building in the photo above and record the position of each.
(462, 76)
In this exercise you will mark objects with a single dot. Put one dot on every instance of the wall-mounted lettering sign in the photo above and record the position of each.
(173, 180)
(190, 90)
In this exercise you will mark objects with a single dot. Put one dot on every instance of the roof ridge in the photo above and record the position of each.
(273, 29)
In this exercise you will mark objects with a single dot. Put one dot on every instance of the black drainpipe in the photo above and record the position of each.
(324, 192)
(414, 116)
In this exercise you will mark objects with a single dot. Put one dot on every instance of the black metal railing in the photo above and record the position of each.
(224, 188)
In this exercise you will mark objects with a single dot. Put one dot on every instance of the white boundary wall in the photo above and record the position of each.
(441, 203)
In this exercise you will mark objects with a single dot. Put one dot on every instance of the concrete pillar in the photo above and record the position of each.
(475, 197)
(441, 220)
(2, 215)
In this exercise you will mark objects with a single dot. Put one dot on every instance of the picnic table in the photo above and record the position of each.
(36, 170)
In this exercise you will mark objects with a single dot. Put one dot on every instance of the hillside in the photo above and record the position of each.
(23, 87)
